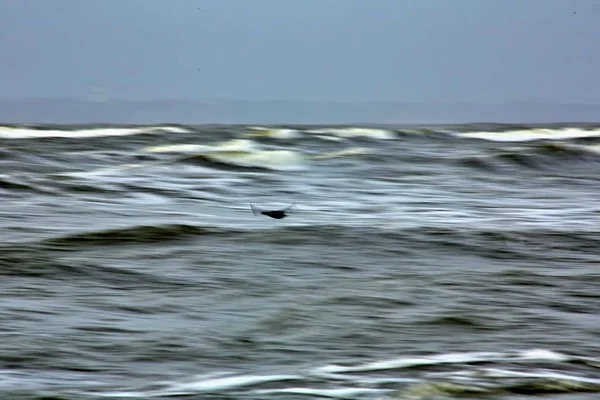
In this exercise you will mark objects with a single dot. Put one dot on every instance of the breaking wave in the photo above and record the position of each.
(15, 132)
(528, 135)
(248, 154)
(414, 378)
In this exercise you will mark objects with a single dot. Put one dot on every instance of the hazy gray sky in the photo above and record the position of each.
(351, 50)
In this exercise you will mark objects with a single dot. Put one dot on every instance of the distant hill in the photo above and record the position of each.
(67, 111)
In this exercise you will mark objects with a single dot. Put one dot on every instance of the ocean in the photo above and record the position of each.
(419, 262)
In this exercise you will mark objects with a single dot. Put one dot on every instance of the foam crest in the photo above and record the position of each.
(236, 145)
(540, 374)
(275, 133)
(593, 148)
(282, 160)
(178, 148)
(241, 153)
(409, 362)
(205, 385)
(7, 132)
(527, 135)
(381, 134)
(331, 393)
(503, 372)
(226, 383)
(541, 354)
(241, 145)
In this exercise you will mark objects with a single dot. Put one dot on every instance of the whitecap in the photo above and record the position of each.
(210, 385)
(381, 134)
(539, 374)
(283, 160)
(331, 393)
(541, 354)
(225, 383)
(7, 132)
(408, 362)
(329, 138)
(242, 145)
(527, 135)
(178, 148)
(237, 145)
(240, 152)
(275, 133)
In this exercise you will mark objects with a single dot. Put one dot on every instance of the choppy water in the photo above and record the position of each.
(422, 263)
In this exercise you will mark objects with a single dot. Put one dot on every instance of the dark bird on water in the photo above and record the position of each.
(277, 214)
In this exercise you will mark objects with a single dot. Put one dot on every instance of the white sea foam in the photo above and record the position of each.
(331, 393)
(246, 153)
(107, 171)
(203, 385)
(592, 148)
(274, 133)
(448, 358)
(408, 362)
(538, 374)
(527, 135)
(178, 148)
(541, 354)
(382, 134)
(237, 145)
(329, 138)
(282, 160)
(8, 132)
(343, 382)
(231, 382)
(240, 152)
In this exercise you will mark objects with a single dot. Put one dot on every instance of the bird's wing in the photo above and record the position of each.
(290, 209)
(255, 210)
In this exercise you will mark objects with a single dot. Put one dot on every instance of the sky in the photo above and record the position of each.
(482, 51)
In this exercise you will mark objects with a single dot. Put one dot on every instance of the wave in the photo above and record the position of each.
(423, 377)
(449, 358)
(371, 133)
(44, 258)
(238, 153)
(130, 235)
(488, 132)
(323, 133)
(493, 242)
(281, 160)
(498, 132)
(248, 154)
(13, 183)
(274, 133)
(459, 236)
(528, 135)
(537, 156)
(10, 132)
(490, 240)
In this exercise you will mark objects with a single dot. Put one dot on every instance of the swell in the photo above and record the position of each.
(542, 156)
(132, 235)
(449, 375)
(35, 261)
(51, 258)
(583, 238)
(460, 238)
(47, 155)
